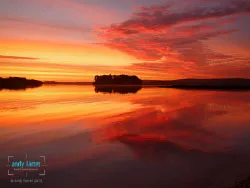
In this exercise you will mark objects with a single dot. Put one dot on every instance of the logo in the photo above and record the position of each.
(27, 169)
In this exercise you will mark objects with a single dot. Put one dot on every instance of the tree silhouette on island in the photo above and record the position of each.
(117, 80)
(122, 84)
(17, 83)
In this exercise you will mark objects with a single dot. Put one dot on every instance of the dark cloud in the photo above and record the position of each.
(162, 17)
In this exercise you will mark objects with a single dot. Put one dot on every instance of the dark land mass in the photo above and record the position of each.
(117, 89)
(117, 80)
(18, 83)
(224, 83)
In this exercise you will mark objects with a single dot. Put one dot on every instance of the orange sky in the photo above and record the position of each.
(69, 40)
(71, 57)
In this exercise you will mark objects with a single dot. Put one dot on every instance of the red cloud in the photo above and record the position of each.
(174, 42)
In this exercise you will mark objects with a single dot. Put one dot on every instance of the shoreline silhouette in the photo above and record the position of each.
(117, 80)
(18, 83)
(104, 83)
(209, 84)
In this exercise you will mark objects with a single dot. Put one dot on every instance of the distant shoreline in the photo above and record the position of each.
(201, 87)
(230, 84)
(197, 84)
(18, 83)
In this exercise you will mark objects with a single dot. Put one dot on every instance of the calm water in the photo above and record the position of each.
(154, 137)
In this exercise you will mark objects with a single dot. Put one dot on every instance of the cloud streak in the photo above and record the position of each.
(17, 57)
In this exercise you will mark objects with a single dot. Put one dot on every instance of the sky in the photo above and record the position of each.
(73, 40)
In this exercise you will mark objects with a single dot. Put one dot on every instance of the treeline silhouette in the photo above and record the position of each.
(17, 83)
(117, 80)
(117, 89)
(219, 83)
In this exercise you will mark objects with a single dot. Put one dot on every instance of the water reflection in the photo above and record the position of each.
(152, 147)
(22, 88)
(117, 89)
(156, 138)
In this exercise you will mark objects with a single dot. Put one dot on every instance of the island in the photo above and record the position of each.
(17, 83)
(122, 84)
(117, 80)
